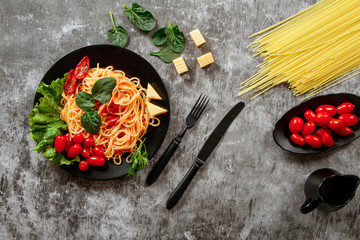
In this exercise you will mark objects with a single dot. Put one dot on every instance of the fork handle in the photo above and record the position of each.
(164, 159)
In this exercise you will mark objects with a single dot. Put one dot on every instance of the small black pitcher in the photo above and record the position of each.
(328, 190)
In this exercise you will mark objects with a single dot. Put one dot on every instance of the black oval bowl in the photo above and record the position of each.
(134, 66)
(281, 133)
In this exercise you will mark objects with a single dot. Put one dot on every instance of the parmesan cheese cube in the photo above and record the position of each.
(205, 59)
(197, 37)
(154, 110)
(180, 65)
(151, 93)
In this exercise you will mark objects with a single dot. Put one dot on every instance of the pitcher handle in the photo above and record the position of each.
(310, 204)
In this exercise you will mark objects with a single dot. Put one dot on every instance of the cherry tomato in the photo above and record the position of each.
(327, 140)
(310, 116)
(296, 124)
(96, 161)
(335, 124)
(88, 142)
(85, 152)
(83, 165)
(60, 143)
(74, 150)
(345, 108)
(330, 109)
(112, 122)
(98, 151)
(78, 138)
(321, 131)
(82, 68)
(298, 139)
(69, 141)
(313, 141)
(344, 131)
(70, 83)
(322, 118)
(308, 128)
(349, 119)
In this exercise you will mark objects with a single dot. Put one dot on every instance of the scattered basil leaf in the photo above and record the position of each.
(139, 159)
(140, 17)
(91, 121)
(166, 54)
(175, 38)
(84, 100)
(159, 37)
(102, 89)
(118, 36)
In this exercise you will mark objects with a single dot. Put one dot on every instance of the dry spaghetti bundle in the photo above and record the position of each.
(124, 118)
(311, 51)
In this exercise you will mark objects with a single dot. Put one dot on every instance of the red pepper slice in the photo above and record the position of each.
(112, 122)
(70, 83)
(82, 68)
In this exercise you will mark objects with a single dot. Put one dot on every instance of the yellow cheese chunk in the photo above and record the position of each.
(205, 59)
(197, 37)
(154, 110)
(180, 65)
(151, 93)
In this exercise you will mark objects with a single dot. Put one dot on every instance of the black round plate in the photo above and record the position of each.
(282, 133)
(134, 66)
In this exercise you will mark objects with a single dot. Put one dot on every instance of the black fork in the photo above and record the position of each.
(191, 119)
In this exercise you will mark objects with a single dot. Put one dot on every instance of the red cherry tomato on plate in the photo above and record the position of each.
(60, 143)
(69, 141)
(349, 119)
(322, 118)
(345, 108)
(96, 161)
(313, 141)
(344, 131)
(335, 124)
(85, 152)
(330, 109)
(70, 83)
(327, 140)
(321, 131)
(308, 128)
(298, 139)
(98, 151)
(82, 68)
(296, 124)
(74, 150)
(83, 165)
(78, 138)
(310, 116)
(88, 142)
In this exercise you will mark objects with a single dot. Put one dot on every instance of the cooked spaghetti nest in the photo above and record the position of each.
(127, 104)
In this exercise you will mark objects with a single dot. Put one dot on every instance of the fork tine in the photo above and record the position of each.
(202, 107)
(196, 104)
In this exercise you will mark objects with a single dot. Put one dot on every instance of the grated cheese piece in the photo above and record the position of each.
(155, 110)
(205, 59)
(197, 37)
(151, 93)
(180, 65)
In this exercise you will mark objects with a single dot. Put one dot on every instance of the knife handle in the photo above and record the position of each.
(164, 159)
(180, 189)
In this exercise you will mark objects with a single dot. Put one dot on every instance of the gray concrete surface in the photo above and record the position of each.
(248, 189)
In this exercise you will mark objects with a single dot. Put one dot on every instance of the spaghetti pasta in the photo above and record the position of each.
(311, 51)
(124, 117)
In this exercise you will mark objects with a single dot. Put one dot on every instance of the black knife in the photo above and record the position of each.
(204, 153)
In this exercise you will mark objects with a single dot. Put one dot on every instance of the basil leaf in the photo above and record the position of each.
(91, 121)
(140, 17)
(84, 100)
(102, 89)
(159, 37)
(175, 38)
(166, 54)
(118, 36)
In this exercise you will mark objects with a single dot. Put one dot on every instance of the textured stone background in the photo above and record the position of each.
(248, 189)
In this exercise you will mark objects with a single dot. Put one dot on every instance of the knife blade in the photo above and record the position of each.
(204, 153)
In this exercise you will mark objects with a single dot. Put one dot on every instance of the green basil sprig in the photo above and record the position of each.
(84, 100)
(118, 36)
(91, 121)
(102, 89)
(140, 17)
(175, 38)
(166, 54)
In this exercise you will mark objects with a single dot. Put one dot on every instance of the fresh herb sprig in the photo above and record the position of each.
(118, 36)
(139, 159)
